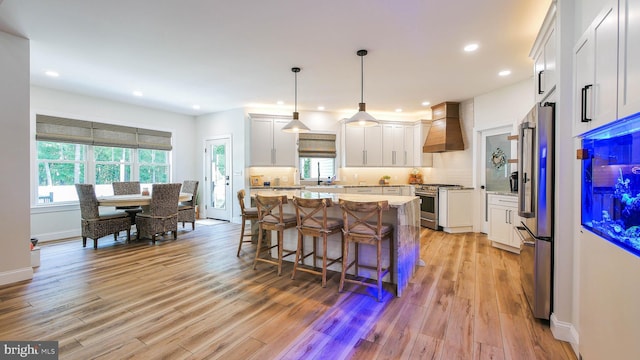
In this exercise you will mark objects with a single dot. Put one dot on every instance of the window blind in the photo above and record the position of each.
(51, 128)
(317, 145)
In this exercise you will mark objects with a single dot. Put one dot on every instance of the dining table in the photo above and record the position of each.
(133, 200)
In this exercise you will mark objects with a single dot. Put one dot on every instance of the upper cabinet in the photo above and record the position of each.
(362, 145)
(629, 58)
(544, 55)
(398, 146)
(270, 146)
(607, 66)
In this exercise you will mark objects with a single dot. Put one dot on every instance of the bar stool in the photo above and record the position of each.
(311, 215)
(272, 217)
(358, 230)
(248, 214)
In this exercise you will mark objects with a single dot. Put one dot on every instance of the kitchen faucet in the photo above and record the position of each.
(319, 173)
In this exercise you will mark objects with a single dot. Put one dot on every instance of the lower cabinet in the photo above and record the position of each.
(364, 190)
(454, 213)
(503, 218)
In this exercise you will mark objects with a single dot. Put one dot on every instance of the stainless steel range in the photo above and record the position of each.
(428, 194)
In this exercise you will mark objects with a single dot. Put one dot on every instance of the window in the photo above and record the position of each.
(71, 151)
(60, 166)
(317, 153)
(111, 164)
(310, 168)
(153, 166)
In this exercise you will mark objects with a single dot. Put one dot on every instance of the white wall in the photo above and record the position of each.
(233, 123)
(15, 259)
(456, 167)
(64, 221)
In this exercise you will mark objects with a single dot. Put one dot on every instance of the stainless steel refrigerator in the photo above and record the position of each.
(535, 207)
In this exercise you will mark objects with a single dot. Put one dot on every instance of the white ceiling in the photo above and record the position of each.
(228, 54)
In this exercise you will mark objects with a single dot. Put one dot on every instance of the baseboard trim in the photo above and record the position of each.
(565, 331)
(58, 235)
(13, 276)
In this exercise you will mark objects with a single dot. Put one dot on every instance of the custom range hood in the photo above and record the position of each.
(445, 133)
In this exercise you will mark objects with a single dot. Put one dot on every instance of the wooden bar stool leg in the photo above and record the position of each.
(324, 260)
(345, 259)
(255, 262)
(295, 264)
(379, 268)
(280, 243)
(244, 221)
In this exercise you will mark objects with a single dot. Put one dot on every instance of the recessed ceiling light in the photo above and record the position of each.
(504, 73)
(52, 73)
(320, 108)
(196, 107)
(425, 103)
(280, 102)
(137, 93)
(471, 47)
(398, 110)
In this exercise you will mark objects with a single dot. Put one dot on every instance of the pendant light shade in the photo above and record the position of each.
(295, 125)
(362, 118)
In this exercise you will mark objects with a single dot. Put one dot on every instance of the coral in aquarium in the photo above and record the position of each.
(630, 203)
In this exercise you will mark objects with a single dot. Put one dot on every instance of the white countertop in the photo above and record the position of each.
(393, 200)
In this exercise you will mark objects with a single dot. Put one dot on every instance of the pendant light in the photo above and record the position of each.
(295, 125)
(362, 118)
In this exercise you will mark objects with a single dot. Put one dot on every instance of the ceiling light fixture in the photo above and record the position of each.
(425, 103)
(362, 118)
(137, 93)
(504, 73)
(52, 73)
(295, 125)
(471, 47)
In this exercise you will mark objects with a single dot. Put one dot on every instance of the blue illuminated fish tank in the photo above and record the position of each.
(611, 182)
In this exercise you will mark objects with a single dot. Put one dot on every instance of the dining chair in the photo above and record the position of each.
(187, 209)
(362, 224)
(271, 217)
(248, 214)
(312, 219)
(95, 224)
(162, 215)
(128, 188)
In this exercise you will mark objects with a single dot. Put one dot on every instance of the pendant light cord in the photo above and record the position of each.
(295, 97)
(362, 78)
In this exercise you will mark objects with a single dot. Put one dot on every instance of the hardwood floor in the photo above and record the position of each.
(192, 298)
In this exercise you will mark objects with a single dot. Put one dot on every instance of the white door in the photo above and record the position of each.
(217, 194)
(495, 151)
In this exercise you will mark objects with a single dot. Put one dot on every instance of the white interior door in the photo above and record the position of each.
(217, 200)
(494, 174)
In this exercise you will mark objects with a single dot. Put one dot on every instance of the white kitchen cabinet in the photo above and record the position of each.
(596, 72)
(270, 146)
(397, 145)
(545, 57)
(629, 58)
(391, 190)
(455, 210)
(503, 218)
(408, 191)
(377, 190)
(363, 145)
(325, 189)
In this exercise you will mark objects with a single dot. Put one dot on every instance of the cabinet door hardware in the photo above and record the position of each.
(540, 91)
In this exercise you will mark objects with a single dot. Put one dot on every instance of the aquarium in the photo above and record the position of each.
(611, 182)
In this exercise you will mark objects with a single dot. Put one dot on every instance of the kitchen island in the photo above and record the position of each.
(403, 214)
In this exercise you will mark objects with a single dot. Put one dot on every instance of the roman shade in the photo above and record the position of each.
(51, 128)
(317, 145)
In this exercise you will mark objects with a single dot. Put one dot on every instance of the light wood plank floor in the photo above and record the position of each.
(192, 298)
